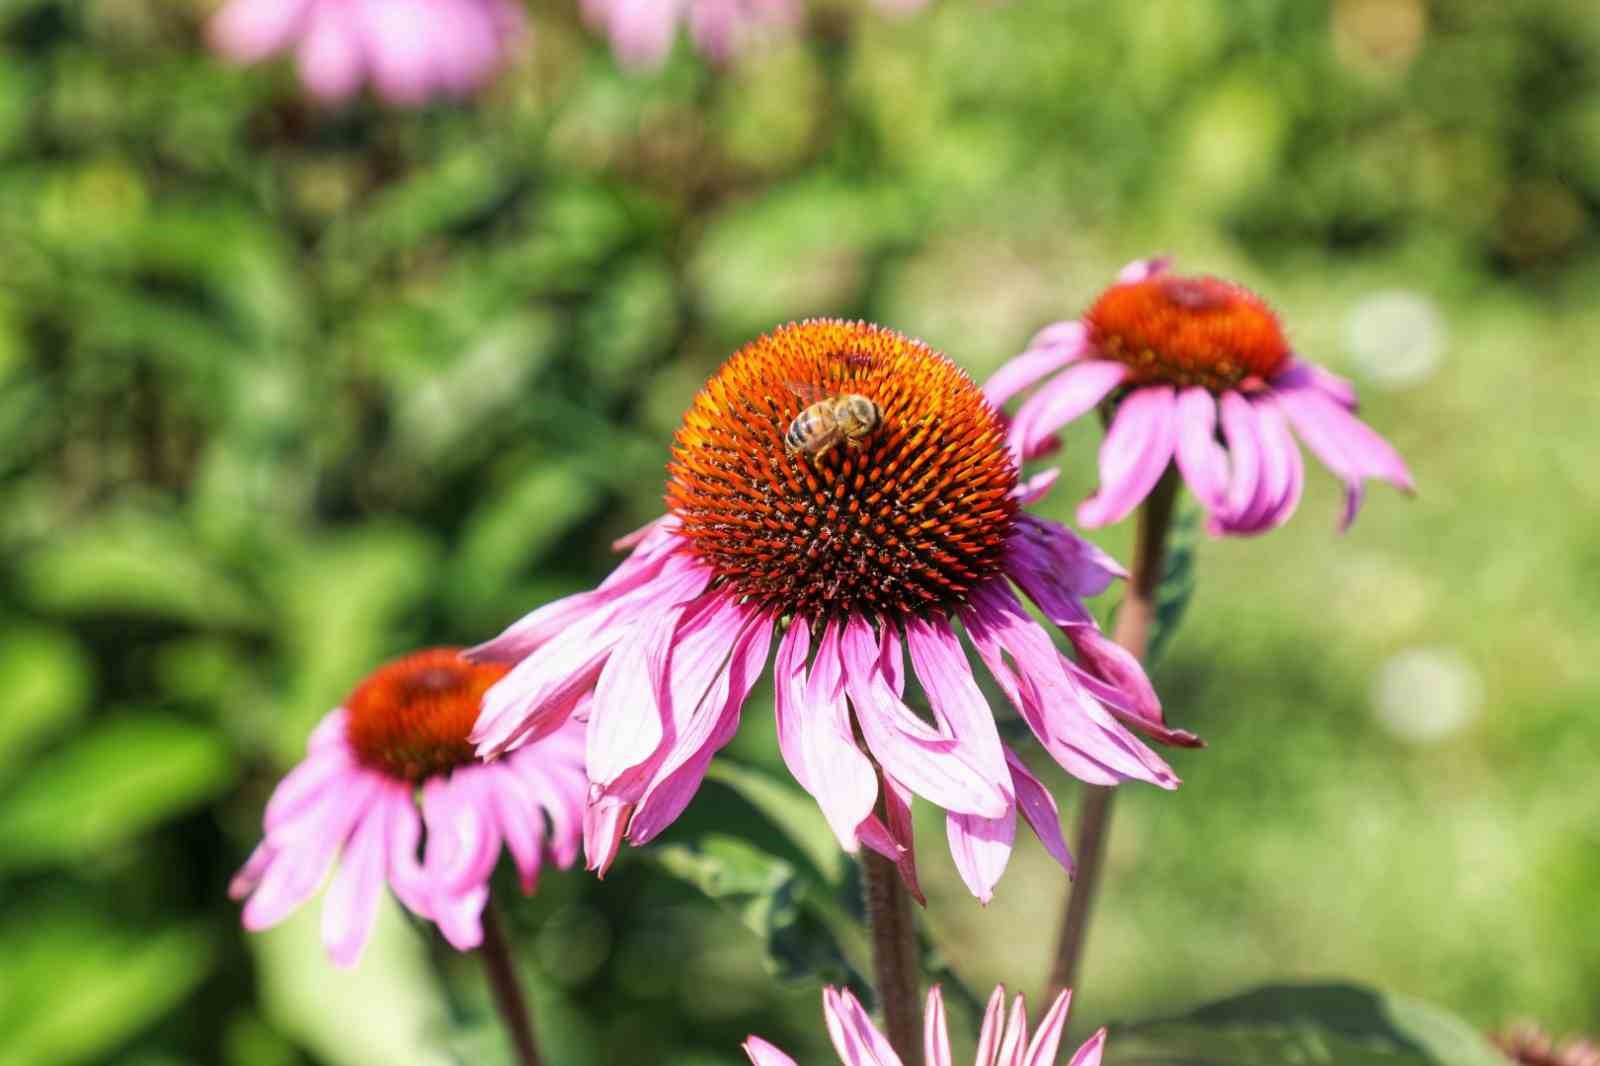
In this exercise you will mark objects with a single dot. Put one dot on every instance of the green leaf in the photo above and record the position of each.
(139, 562)
(791, 810)
(45, 677)
(1293, 1025)
(77, 987)
(109, 785)
(1177, 578)
(795, 923)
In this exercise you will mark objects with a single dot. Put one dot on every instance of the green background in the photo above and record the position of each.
(286, 390)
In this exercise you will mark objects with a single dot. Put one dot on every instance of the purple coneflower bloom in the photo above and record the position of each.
(857, 553)
(1001, 1042)
(410, 50)
(642, 31)
(401, 739)
(1175, 351)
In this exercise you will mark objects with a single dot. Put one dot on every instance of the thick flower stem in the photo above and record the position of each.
(1134, 620)
(896, 959)
(509, 1000)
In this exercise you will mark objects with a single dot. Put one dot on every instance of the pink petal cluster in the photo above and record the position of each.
(410, 50)
(642, 31)
(1003, 1040)
(1248, 476)
(333, 807)
(658, 660)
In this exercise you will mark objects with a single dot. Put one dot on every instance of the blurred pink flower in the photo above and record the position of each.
(642, 31)
(1180, 349)
(864, 551)
(1526, 1044)
(402, 730)
(411, 50)
(1001, 1042)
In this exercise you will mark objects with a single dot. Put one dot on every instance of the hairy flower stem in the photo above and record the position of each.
(509, 1000)
(1134, 620)
(896, 958)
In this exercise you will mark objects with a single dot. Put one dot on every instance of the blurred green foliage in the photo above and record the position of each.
(285, 391)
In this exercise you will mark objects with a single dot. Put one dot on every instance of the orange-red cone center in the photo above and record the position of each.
(1188, 331)
(410, 718)
(906, 518)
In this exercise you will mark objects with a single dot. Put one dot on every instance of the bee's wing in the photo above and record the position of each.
(808, 393)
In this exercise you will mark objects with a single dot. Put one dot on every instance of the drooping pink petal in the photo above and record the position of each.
(935, 1032)
(814, 732)
(1201, 460)
(459, 916)
(604, 821)
(1310, 375)
(931, 763)
(1031, 490)
(1073, 727)
(1015, 1041)
(1042, 1051)
(295, 873)
(351, 904)
(330, 55)
(631, 698)
(407, 879)
(305, 787)
(517, 817)
(958, 705)
(1244, 450)
(761, 1053)
(249, 876)
(1134, 454)
(1038, 806)
(1074, 391)
(981, 848)
(463, 839)
(1055, 347)
(1118, 668)
(641, 31)
(1346, 445)
(898, 823)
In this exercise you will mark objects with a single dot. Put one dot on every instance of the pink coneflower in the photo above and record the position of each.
(1001, 1042)
(642, 31)
(1174, 351)
(410, 50)
(399, 739)
(858, 553)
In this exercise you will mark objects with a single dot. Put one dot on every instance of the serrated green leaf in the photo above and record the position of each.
(108, 785)
(78, 986)
(1298, 1025)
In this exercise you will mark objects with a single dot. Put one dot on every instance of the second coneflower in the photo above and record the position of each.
(848, 555)
(1175, 353)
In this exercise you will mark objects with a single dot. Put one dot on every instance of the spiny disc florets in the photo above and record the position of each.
(906, 519)
(1188, 331)
(410, 718)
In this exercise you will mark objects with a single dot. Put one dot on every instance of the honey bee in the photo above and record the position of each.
(828, 420)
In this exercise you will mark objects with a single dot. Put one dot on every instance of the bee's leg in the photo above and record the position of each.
(816, 456)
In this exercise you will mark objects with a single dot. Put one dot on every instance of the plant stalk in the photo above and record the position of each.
(509, 1000)
(896, 955)
(1134, 621)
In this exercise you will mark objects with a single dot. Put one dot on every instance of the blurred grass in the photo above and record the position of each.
(285, 391)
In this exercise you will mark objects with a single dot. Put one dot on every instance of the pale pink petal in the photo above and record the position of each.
(249, 876)
(958, 705)
(1346, 445)
(1055, 347)
(516, 815)
(402, 38)
(902, 830)
(1074, 391)
(295, 872)
(248, 30)
(855, 1038)
(1089, 1053)
(305, 787)
(1203, 462)
(1038, 806)
(1015, 1042)
(1031, 490)
(330, 56)
(642, 30)
(814, 732)
(1144, 269)
(1042, 1051)
(1134, 454)
(407, 879)
(981, 848)
(761, 1053)
(930, 762)
(935, 1032)
(459, 916)
(604, 821)
(630, 698)
(1139, 706)
(351, 904)
(1244, 449)
(992, 1029)
(463, 839)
